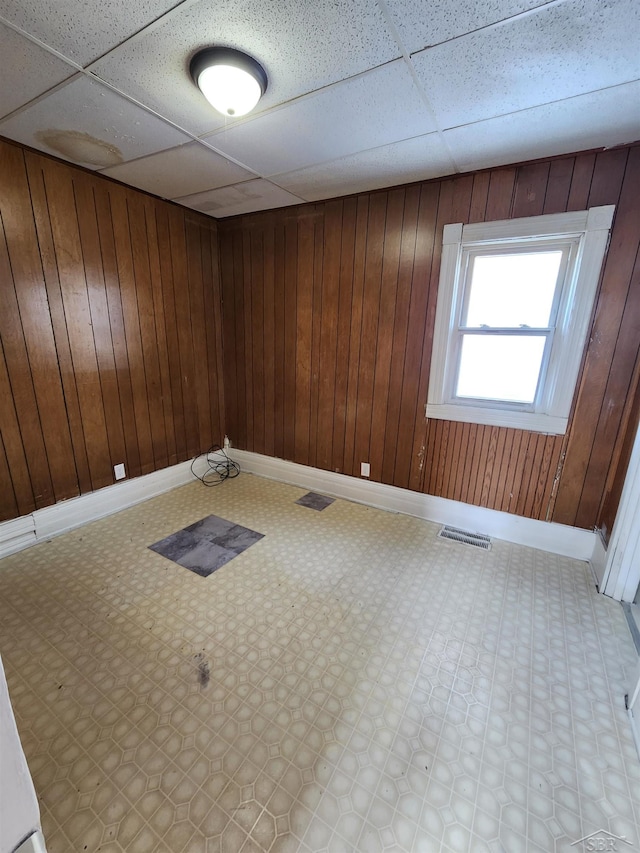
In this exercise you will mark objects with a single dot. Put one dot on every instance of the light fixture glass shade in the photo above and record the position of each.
(231, 81)
(232, 91)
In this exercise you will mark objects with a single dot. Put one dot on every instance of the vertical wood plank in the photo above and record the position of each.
(233, 337)
(536, 459)
(303, 337)
(213, 310)
(290, 337)
(474, 439)
(346, 295)
(171, 332)
(227, 283)
(257, 337)
(279, 304)
(505, 437)
(8, 502)
(73, 284)
(318, 279)
(155, 270)
(19, 394)
(530, 189)
(329, 291)
(116, 324)
(522, 471)
(124, 260)
(509, 493)
(479, 197)
(453, 458)
(400, 330)
(500, 197)
(147, 327)
(248, 337)
(199, 320)
(19, 483)
(548, 467)
(386, 328)
(608, 175)
(581, 182)
(182, 307)
(351, 465)
(428, 455)
(270, 334)
(99, 314)
(559, 185)
(624, 446)
(477, 468)
(370, 319)
(412, 424)
(491, 463)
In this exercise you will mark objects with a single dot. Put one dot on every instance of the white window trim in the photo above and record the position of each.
(551, 413)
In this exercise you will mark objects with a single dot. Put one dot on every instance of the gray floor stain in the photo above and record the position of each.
(204, 672)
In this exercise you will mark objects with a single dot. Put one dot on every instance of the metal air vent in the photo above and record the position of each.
(478, 540)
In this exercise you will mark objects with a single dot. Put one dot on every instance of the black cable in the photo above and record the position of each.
(218, 469)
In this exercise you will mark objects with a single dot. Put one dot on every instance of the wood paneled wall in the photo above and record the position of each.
(328, 318)
(110, 332)
(111, 337)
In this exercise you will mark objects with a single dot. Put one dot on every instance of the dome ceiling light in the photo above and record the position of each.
(230, 80)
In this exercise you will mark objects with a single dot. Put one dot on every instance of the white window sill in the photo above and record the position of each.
(532, 421)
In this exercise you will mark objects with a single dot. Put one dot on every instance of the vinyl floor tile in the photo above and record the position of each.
(312, 500)
(207, 544)
(350, 682)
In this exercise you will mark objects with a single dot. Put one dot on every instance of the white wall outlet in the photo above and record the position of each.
(365, 469)
(119, 472)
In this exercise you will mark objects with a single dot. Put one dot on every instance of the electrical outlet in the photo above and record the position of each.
(119, 472)
(365, 469)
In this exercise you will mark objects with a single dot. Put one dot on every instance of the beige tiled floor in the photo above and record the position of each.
(350, 682)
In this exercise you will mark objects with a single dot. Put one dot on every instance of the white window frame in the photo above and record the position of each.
(585, 234)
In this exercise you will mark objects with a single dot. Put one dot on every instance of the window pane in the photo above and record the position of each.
(500, 367)
(513, 290)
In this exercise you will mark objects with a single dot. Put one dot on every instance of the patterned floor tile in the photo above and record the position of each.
(351, 683)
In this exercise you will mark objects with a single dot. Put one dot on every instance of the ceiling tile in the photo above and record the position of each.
(27, 70)
(446, 20)
(88, 124)
(399, 163)
(242, 198)
(82, 31)
(598, 119)
(179, 171)
(303, 46)
(557, 52)
(373, 109)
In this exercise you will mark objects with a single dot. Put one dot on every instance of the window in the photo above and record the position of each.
(514, 303)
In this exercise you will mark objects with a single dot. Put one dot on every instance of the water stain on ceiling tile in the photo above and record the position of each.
(81, 147)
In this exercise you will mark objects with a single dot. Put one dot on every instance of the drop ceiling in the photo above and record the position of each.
(362, 94)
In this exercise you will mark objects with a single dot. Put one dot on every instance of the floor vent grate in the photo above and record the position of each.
(479, 540)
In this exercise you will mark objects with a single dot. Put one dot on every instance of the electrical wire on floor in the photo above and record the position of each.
(219, 466)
